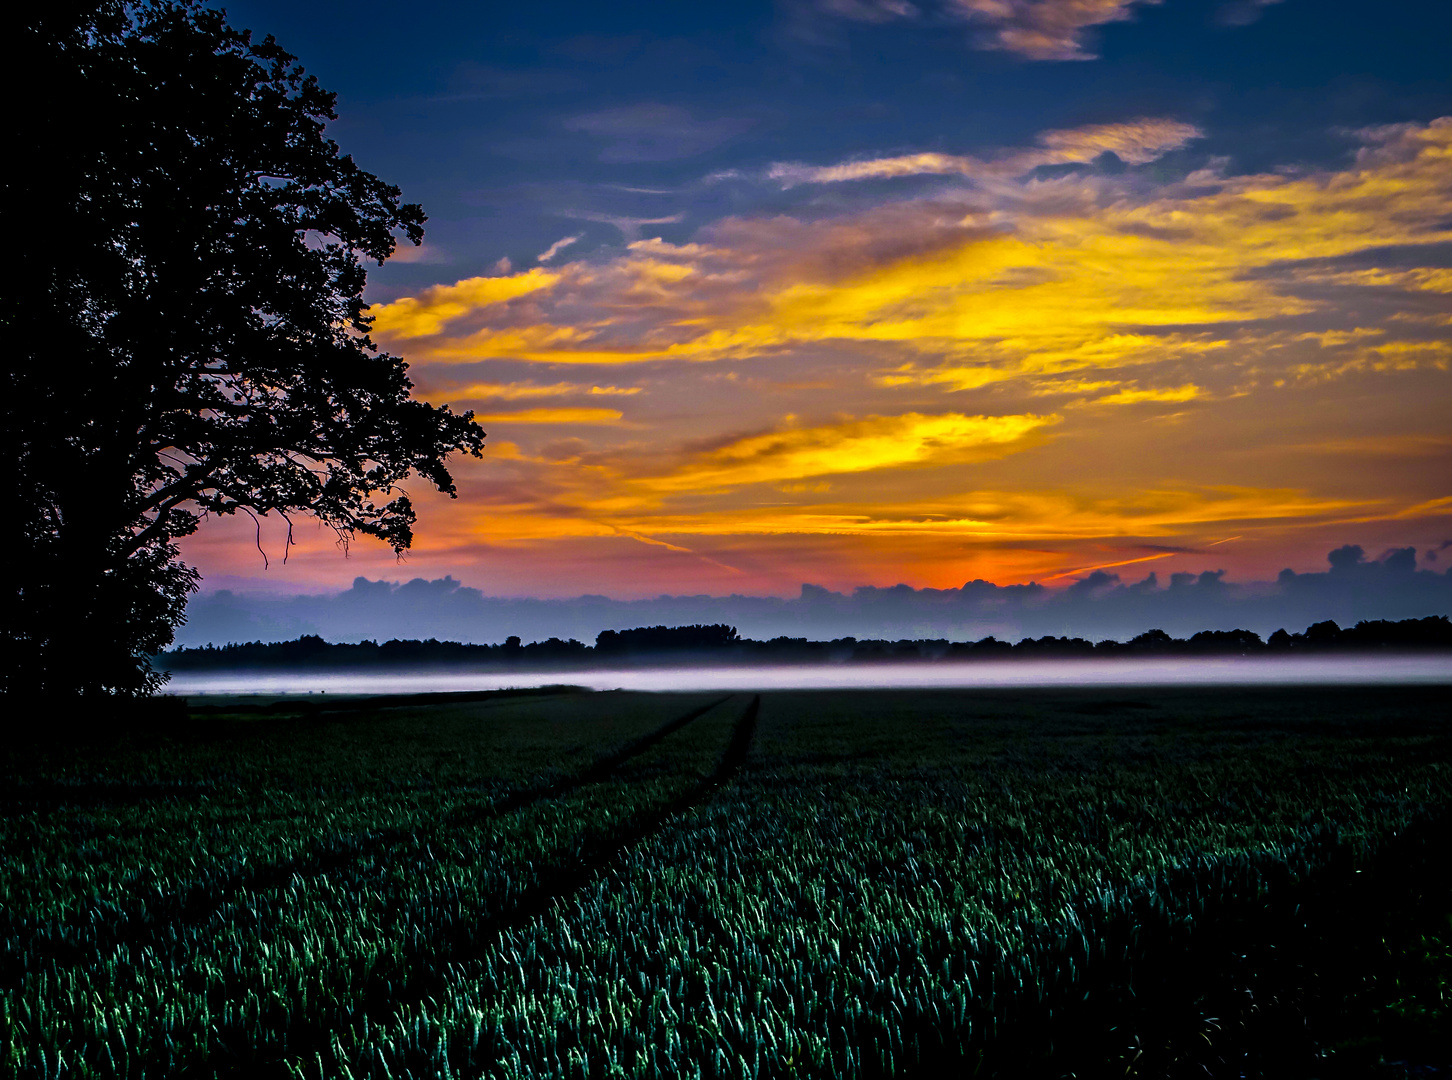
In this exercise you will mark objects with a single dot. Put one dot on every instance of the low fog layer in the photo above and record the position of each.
(1101, 605)
(1318, 671)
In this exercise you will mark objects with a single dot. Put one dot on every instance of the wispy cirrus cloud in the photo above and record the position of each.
(1135, 142)
(554, 249)
(870, 11)
(630, 227)
(1391, 445)
(652, 131)
(1242, 12)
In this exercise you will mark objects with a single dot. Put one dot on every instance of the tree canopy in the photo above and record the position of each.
(186, 328)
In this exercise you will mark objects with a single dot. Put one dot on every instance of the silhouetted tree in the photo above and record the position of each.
(184, 317)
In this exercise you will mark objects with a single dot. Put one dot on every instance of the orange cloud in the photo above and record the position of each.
(553, 416)
(1040, 516)
(521, 391)
(1393, 445)
(1043, 516)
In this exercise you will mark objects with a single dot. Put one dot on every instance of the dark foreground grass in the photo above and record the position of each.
(1049, 883)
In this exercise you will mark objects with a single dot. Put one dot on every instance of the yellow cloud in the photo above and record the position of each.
(1408, 355)
(419, 316)
(1131, 397)
(1437, 279)
(1423, 278)
(1031, 278)
(869, 443)
(1331, 339)
(1384, 356)
(1053, 387)
(1048, 354)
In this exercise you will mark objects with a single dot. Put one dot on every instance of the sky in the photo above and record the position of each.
(868, 292)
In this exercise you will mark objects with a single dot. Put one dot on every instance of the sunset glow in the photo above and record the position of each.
(1143, 340)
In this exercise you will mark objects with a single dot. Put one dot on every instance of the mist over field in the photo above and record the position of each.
(1103, 604)
(1193, 671)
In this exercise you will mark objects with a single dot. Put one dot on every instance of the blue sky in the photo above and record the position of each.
(519, 124)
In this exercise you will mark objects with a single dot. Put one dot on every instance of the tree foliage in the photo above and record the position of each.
(186, 328)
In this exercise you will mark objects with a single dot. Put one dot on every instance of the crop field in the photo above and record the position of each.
(1167, 882)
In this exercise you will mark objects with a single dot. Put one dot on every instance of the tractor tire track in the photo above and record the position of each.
(592, 774)
(473, 941)
(566, 880)
(103, 926)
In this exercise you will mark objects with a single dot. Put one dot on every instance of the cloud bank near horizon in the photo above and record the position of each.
(1098, 606)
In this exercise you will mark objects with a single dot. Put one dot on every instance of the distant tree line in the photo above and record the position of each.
(652, 639)
(719, 643)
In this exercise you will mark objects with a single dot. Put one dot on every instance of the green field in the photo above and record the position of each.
(1028, 883)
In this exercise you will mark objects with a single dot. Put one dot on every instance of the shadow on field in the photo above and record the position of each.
(1345, 975)
(106, 926)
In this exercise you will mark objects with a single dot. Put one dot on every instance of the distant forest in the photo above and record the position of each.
(717, 644)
